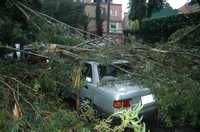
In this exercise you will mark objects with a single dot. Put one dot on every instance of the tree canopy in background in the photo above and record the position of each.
(140, 9)
(19, 25)
(66, 11)
(195, 2)
(14, 21)
(137, 9)
(154, 6)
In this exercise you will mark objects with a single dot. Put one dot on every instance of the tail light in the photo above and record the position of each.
(122, 103)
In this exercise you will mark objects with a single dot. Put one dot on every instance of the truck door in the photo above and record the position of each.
(88, 89)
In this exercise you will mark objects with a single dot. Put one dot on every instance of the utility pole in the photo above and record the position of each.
(108, 17)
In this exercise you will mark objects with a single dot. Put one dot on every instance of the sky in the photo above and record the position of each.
(174, 3)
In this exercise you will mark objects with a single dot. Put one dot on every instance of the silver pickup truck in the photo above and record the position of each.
(110, 90)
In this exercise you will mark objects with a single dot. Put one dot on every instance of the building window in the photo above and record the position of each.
(103, 1)
(94, 1)
(107, 1)
(113, 12)
(113, 26)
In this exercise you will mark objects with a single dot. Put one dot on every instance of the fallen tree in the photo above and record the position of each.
(31, 91)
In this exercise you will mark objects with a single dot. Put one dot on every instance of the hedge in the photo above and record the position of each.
(157, 29)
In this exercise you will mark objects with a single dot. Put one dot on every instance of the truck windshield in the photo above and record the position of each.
(114, 71)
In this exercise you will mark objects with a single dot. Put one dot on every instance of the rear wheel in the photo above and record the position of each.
(152, 122)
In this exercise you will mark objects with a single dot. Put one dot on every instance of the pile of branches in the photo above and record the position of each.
(171, 71)
(167, 67)
(32, 94)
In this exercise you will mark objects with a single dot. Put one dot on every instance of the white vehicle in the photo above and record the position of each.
(108, 88)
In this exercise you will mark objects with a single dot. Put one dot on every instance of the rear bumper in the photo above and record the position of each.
(149, 112)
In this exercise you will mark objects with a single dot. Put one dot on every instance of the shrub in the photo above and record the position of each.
(155, 30)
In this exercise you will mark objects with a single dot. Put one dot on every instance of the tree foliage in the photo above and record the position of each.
(137, 9)
(195, 2)
(140, 9)
(19, 25)
(129, 118)
(154, 6)
(66, 11)
(38, 89)
(163, 27)
(171, 70)
(14, 21)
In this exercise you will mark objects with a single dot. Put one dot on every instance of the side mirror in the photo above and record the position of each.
(88, 79)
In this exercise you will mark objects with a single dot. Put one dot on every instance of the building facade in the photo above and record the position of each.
(188, 8)
(116, 22)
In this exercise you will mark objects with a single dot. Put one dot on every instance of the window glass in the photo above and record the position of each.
(113, 12)
(115, 71)
(113, 25)
(87, 72)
